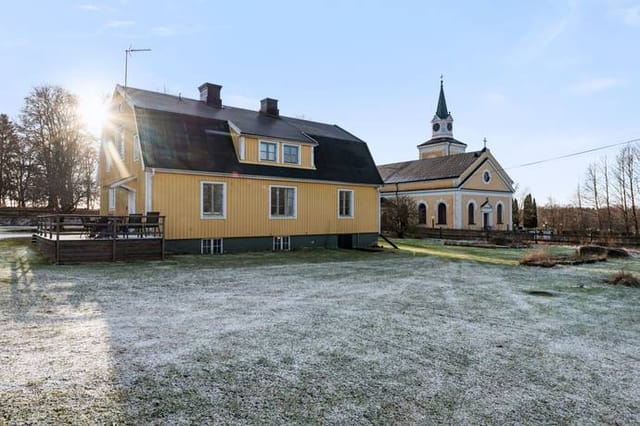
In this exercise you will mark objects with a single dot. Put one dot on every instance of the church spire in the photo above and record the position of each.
(442, 111)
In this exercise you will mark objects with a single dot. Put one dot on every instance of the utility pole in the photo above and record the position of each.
(128, 52)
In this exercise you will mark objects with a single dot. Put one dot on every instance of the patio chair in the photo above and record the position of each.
(102, 228)
(152, 225)
(88, 227)
(134, 225)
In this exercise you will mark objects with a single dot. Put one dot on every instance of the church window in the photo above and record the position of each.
(442, 214)
(486, 176)
(499, 214)
(472, 213)
(422, 214)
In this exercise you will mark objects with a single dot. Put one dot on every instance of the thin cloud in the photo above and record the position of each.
(119, 24)
(630, 15)
(535, 44)
(593, 85)
(90, 7)
(14, 43)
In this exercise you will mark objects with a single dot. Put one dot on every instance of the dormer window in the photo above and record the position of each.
(291, 154)
(268, 151)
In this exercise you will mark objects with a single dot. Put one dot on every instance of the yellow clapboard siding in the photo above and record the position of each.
(177, 196)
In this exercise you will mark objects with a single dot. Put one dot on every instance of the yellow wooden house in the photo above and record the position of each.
(231, 179)
(452, 188)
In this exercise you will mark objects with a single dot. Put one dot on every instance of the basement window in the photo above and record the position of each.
(212, 246)
(282, 243)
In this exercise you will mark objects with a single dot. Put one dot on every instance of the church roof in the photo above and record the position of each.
(442, 110)
(434, 141)
(446, 167)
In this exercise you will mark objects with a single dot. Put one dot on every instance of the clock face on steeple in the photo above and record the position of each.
(436, 127)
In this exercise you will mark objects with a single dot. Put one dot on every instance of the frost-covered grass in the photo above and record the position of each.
(315, 337)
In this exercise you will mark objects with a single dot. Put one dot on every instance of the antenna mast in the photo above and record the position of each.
(128, 52)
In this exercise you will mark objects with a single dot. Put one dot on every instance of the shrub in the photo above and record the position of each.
(538, 258)
(624, 278)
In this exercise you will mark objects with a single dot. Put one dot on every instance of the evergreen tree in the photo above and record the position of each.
(535, 214)
(515, 214)
(529, 215)
(8, 156)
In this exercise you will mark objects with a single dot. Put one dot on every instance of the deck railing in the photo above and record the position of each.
(96, 227)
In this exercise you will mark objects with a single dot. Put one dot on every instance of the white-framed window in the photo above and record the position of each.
(242, 148)
(112, 198)
(290, 154)
(213, 200)
(268, 151)
(282, 201)
(108, 144)
(499, 214)
(282, 243)
(121, 143)
(136, 148)
(345, 203)
(211, 246)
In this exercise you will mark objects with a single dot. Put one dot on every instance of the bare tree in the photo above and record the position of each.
(629, 154)
(590, 192)
(60, 141)
(604, 167)
(621, 188)
(399, 215)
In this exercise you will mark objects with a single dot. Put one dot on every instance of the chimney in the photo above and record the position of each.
(269, 106)
(210, 94)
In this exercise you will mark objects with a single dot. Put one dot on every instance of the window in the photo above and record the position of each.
(121, 144)
(213, 246)
(442, 214)
(345, 203)
(290, 154)
(472, 213)
(107, 154)
(486, 176)
(213, 195)
(112, 198)
(499, 214)
(282, 243)
(422, 214)
(136, 148)
(268, 151)
(282, 202)
(242, 148)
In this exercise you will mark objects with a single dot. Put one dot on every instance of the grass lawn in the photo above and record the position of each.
(437, 335)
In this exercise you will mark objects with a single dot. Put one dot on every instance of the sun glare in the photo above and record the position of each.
(93, 111)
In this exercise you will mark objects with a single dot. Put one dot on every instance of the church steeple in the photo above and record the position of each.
(442, 123)
(442, 110)
(442, 142)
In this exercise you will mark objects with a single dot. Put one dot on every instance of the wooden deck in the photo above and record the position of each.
(76, 239)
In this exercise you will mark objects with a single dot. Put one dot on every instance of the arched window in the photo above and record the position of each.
(422, 214)
(442, 214)
(472, 213)
(499, 214)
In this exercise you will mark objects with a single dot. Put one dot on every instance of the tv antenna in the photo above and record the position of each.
(128, 52)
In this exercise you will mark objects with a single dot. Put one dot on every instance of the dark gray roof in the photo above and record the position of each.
(442, 140)
(442, 110)
(249, 122)
(446, 167)
(193, 142)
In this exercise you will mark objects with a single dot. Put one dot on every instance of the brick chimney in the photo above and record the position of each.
(269, 106)
(210, 94)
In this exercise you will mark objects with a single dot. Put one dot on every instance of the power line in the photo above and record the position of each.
(573, 154)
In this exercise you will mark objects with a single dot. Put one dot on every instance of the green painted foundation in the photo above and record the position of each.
(238, 245)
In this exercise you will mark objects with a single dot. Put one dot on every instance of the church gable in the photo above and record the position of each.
(487, 175)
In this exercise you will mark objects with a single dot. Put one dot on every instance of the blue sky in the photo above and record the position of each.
(536, 78)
